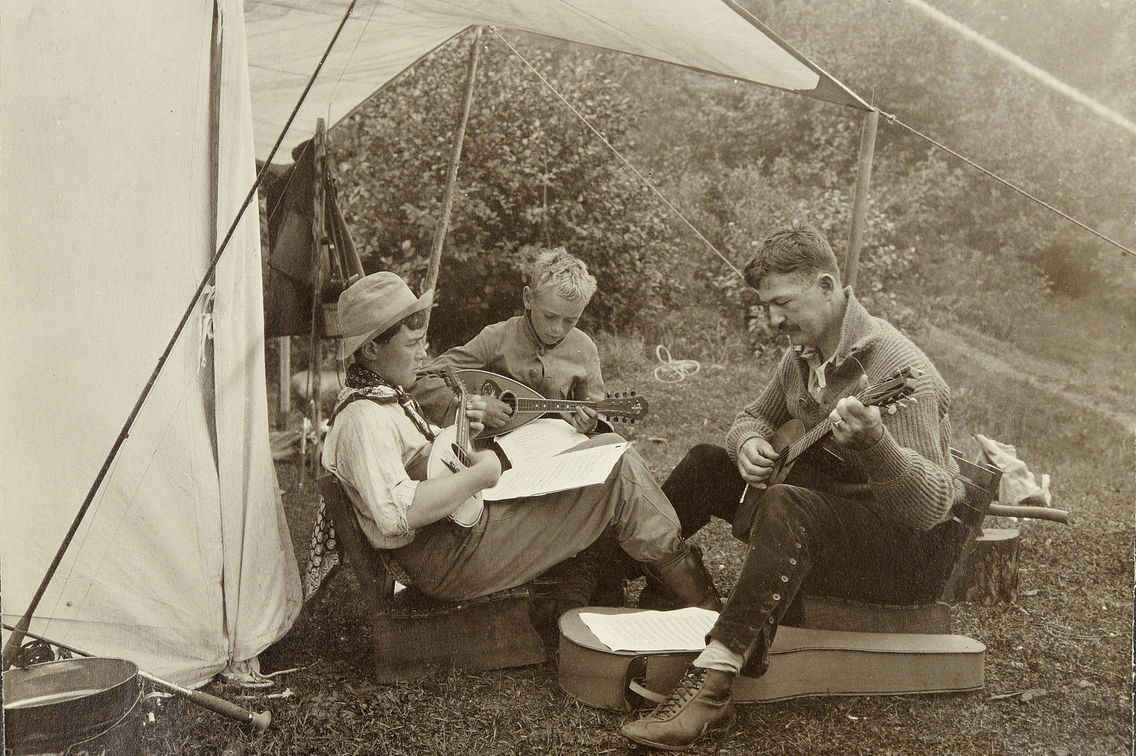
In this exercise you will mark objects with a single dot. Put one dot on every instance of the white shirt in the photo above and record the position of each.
(817, 382)
(379, 455)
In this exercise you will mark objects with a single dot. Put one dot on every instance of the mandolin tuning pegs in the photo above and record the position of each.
(891, 409)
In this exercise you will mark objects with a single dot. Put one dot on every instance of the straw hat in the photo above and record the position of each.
(373, 304)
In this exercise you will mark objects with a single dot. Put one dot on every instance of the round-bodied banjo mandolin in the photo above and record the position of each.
(528, 405)
(451, 453)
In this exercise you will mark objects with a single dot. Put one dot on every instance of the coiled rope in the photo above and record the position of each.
(673, 371)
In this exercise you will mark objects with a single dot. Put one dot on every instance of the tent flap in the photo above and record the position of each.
(385, 37)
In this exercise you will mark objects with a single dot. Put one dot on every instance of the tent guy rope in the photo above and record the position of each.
(618, 154)
(12, 646)
(892, 119)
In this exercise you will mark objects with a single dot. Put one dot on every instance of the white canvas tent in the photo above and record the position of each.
(126, 148)
(111, 206)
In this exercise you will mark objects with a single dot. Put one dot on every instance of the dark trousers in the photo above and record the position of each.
(806, 540)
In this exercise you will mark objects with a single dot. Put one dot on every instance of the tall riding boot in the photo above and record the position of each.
(685, 578)
(701, 704)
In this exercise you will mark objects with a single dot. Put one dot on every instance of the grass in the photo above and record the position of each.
(1067, 640)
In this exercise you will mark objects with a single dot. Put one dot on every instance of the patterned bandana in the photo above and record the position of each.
(367, 384)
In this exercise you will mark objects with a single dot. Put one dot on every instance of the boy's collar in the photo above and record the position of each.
(531, 330)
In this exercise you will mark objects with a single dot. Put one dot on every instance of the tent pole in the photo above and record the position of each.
(452, 175)
(320, 254)
(285, 398)
(223, 707)
(860, 198)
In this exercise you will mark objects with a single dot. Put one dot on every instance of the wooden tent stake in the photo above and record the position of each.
(452, 175)
(860, 198)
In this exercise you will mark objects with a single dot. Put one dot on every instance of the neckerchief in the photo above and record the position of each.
(367, 384)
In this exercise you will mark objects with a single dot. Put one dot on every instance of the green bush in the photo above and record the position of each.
(532, 176)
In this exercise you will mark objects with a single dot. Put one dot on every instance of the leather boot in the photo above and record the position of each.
(686, 579)
(655, 596)
(701, 704)
(609, 589)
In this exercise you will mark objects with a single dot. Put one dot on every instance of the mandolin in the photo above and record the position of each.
(791, 440)
(528, 405)
(451, 453)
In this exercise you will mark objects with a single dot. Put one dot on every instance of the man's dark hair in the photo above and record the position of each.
(412, 321)
(799, 249)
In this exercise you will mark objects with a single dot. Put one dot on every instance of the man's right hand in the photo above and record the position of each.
(755, 460)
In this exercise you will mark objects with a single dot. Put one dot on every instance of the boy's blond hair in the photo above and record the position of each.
(563, 274)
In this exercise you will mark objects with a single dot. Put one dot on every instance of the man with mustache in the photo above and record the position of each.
(877, 527)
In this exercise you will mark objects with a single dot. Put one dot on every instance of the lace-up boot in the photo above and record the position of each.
(701, 704)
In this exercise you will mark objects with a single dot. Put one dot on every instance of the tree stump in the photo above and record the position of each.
(989, 573)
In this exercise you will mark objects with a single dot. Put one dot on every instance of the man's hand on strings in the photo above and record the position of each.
(755, 460)
(854, 425)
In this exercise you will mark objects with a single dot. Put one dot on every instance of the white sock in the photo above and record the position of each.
(717, 656)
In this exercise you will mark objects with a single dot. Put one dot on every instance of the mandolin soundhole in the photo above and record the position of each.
(490, 388)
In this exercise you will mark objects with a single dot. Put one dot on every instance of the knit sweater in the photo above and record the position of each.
(909, 471)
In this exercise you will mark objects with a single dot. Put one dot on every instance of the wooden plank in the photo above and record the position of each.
(486, 635)
(831, 613)
(374, 580)
(413, 634)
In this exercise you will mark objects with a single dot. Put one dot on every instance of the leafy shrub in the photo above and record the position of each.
(531, 176)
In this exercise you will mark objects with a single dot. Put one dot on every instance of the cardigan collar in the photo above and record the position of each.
(857, 330)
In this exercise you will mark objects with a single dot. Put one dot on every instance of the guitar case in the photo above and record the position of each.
(803, 662)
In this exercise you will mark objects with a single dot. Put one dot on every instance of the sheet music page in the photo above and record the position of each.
(560, 473)
(676, 630)
(542, 438)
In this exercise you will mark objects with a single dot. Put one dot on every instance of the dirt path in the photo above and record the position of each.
(1068, 382)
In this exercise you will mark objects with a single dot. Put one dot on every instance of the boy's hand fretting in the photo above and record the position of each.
(584, 419)
(493, 412)
(486, 411)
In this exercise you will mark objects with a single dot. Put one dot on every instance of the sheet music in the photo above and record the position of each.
(564, 471)
(676, 630)
(543, 437)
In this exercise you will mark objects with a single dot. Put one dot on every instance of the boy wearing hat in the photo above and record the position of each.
(541, 348)
(378, 446)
